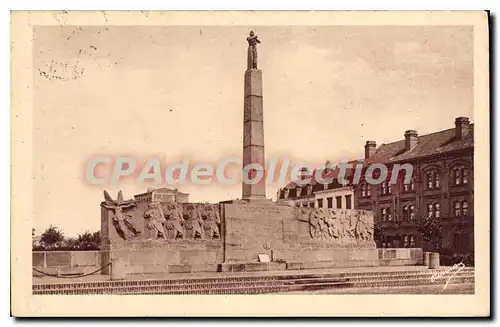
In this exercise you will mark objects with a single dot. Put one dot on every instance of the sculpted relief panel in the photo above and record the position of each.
(164, 221)
(343, 226)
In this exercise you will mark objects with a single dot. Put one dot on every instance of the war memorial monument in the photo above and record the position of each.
(247, 245)
(153, 234)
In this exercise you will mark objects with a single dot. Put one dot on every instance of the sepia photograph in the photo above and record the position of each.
(163, 158)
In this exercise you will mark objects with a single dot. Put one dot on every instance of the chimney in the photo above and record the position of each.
(370, 148)
(461, 127)
(411, 139)
(328, 164)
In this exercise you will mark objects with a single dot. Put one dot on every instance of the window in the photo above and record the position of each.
(368, 190)
(465, 208)
(348, 204)
(461, 208)
(406, 243)
(430, 210)
(363, 190)
(299, 191)
(433, 210)
(339, 202)
(429, 180)
(456, 176)
(383, 213)
(309, 189)
(311, 204)
(458, 209)
(412, 212)
(460, 175)
(412, 241)
(432, 179)
(329, 202)
(320, 203)
(409, 187)
(405, 213)
(386, 188)
(287, 193)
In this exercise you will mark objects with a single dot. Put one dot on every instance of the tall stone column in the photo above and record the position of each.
(253, 127)
(253, 136)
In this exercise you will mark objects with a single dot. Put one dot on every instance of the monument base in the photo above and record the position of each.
(255, 200)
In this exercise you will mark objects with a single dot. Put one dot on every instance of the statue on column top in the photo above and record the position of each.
(252, 50)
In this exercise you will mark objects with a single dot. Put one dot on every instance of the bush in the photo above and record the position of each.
(449, 258)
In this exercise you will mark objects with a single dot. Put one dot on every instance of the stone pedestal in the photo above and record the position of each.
(434, 260)
(253, 137)
(426, 258)
(118, 269)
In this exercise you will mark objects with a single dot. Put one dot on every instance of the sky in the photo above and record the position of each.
(175, 92)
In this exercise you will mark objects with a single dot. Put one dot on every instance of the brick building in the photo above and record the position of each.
(442, 186)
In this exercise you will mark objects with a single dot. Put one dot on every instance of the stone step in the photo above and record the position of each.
(451, 288)
(404, 282)
(402, 273)
(187, 286)
(259, 289)
(236, 279)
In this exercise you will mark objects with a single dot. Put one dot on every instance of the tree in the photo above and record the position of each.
(89, 241)
(430, 229)
(52, 238)
(70, 243)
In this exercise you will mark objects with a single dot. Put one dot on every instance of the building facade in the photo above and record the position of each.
(441, 188)
(333, 195)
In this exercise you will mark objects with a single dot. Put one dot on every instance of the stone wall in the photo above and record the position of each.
(143, 257)
(292, 235)
(66, 262)
(178, 258)
(186, 237)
